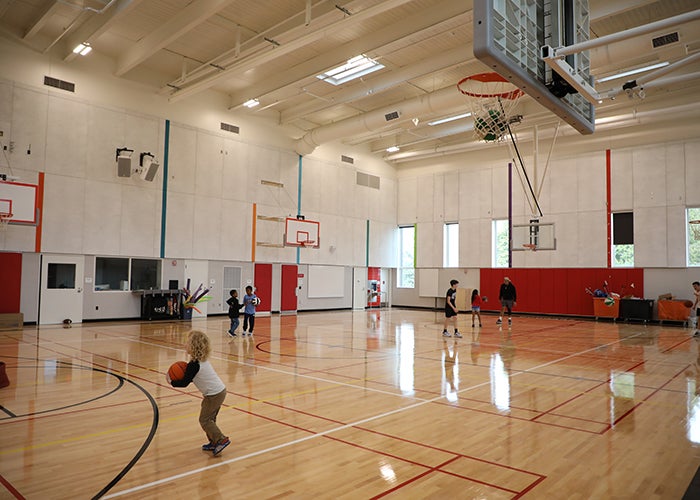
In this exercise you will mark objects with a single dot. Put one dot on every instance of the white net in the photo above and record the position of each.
(493, 100)
(4, 220)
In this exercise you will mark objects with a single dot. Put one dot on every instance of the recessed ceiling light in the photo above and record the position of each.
(355, 68)
(251, 103)
(82, 48)
(392, 149)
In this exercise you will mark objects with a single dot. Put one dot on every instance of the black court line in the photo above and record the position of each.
(5, 410)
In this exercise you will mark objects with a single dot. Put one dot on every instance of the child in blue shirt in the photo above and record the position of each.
(250, 300)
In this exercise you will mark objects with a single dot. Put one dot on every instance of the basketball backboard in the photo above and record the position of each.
(301, 233)
(533, 236)
(509, 36)
(20, 200)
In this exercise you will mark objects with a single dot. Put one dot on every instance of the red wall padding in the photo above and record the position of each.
(10, 281)
(263, 286)
(560, 290)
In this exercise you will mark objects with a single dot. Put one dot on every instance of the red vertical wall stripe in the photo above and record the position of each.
(608, 202)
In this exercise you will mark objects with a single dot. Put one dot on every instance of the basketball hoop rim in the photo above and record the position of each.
(490, 78)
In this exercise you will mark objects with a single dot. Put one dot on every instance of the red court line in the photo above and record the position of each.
(286, 424)
(10, 488)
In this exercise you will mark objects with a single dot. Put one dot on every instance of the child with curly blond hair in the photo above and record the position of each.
(201, 372)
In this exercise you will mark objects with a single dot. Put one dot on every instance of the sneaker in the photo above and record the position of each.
(445, 333)
(231, 334)
(697, 333)
(499, 321)
(208, 447)
(458, 335)
(510, 321)
(221, 445)
(472, 325)
(479, 325)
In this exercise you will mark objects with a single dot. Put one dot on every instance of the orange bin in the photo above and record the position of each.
(673, 310)
(600, 310)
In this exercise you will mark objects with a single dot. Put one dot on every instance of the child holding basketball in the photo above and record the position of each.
(451, 310)
(476, 306)
(250, 300)
(234, 312)
(201, 372)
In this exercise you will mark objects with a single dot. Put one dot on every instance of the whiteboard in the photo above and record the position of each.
(428, 283)
(326, 282)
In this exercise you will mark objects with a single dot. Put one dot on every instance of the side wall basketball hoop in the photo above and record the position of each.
(301, 233)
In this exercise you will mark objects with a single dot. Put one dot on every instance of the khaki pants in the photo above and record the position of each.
(207, 416)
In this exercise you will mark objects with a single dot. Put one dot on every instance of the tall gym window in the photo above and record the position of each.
(623, 239)
(407, 262)
(693, 236)
(450, 245)
(499, 257)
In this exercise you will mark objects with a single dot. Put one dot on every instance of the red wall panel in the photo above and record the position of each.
(263, 286)
(559, 290)
(10, 281)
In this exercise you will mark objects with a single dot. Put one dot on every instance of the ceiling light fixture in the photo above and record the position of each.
(82, 48)
(632, 72)
(354, 68)
(251, 103)
(449, 119)
(392, 149)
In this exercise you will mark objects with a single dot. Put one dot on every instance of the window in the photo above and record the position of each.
(500, 243)
(117, 273)
(623, 239)
(693, 231)
(407, 261)
(145, 274)
(60, 276)
(450, 247)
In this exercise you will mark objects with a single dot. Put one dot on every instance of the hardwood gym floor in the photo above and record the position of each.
(355, 404)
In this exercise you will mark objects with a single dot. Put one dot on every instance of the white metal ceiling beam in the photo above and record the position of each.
(461, 55)
(98, 24)
(409, 26)
(194, 14)
(46, 13)
(263, 55)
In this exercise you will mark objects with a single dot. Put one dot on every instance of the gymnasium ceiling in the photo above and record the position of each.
(272, 50)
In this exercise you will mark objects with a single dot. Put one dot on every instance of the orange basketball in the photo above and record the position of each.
(177, 370)
(688, 303)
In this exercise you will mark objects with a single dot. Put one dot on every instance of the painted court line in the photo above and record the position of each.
(330, 431)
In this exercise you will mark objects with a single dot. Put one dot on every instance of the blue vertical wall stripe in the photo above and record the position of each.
(299, 199)
(164, 205)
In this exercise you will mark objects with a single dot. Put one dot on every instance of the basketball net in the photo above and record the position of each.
(492, 99)
(5, 221)
(695, 228)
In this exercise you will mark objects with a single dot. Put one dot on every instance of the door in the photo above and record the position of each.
(61, 295)
(263, 287)
(359, 288)
(289, 288)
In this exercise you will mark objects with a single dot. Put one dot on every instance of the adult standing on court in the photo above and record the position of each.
(507, 295)
(250, 300)
(451, 310)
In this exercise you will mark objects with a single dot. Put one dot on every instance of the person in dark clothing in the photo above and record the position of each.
(234, 312)
(451, 310)
(507, 295)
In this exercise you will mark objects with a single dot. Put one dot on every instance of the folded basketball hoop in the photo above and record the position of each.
(695, 228)
(492, 99)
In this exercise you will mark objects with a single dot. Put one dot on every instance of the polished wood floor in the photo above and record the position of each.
(365, 404)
